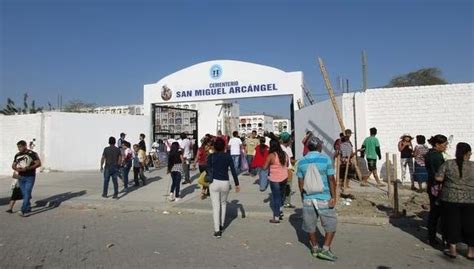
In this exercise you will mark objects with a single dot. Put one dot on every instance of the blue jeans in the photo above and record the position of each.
(236, 160)
(110, 172)
(26, 186)
(278, 196)
(126, 171)
(263, 178)
(176, 178)
(249, 161)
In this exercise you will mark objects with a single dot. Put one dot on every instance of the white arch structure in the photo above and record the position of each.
(219, 80)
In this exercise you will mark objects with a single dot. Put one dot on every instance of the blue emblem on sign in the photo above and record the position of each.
(215, 71)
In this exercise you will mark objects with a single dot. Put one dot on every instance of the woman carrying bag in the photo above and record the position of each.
(277, 162)
(201, 161)
(218, 164)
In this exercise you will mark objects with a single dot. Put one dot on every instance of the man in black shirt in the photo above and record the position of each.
(142, 144)
(25, 163)
(112, 157)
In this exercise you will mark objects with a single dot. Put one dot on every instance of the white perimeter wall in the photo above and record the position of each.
(422, 110)
(66, 141)
(321, 119)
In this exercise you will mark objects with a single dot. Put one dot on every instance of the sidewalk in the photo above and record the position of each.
(83, 190)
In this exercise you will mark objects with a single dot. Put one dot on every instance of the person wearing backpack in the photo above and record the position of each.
(318, 191)
(277, 163)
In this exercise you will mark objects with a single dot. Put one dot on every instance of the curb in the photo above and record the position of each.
(183, 209)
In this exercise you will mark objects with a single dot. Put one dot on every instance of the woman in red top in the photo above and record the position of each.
(261, 154)
(201, 161)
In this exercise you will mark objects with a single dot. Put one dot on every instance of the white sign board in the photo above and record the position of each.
(224, 79)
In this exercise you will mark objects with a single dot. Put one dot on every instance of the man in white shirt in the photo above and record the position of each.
(186, 147)
(235, 145)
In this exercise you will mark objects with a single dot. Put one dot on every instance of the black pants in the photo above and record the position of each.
(458, 222)
(433, 217)
(138, 172)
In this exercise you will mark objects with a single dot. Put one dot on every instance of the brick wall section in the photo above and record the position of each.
(425, 110)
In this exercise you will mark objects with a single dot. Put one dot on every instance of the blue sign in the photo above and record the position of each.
(215, 71)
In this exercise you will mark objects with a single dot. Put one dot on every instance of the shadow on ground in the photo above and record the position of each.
(296, 220)
(54, 201)
(4, 201)
(413, 225)
(233, 209)
(133, 188)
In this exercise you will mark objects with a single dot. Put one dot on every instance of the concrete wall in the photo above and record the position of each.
(422, 110)
(66, 141)
(321, 119)
(14, 129)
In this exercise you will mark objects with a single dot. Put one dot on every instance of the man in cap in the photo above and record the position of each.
(319, 205)
(285, 140)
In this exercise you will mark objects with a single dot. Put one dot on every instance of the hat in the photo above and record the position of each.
(285, 137)
(122, 134)
(314, 141)
(406, 135)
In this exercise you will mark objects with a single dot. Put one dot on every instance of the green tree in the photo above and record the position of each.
(421, 77)
(79, 106)
(12, 109)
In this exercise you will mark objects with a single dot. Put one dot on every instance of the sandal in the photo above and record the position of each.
(448, 253)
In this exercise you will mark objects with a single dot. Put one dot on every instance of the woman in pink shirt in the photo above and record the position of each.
(277, 163)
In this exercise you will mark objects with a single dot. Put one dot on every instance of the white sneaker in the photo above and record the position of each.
(177, 199)
(171, 197)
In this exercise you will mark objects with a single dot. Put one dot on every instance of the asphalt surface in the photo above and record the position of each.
(73, 227)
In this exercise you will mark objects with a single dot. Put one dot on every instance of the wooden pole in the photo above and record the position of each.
(331, 94)
(387, 172)
(356, 166)
(337, 177)
(346, 172)
(395, 186)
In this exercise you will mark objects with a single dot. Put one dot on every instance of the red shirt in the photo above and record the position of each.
(202, 156)
(259, 159)
(305, 149)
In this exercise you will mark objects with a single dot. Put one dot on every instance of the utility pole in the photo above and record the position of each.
(364, 71)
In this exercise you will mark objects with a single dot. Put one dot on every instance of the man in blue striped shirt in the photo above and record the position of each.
(319, 205)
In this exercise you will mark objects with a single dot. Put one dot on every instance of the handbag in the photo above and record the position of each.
(202, 179)
(208, 178)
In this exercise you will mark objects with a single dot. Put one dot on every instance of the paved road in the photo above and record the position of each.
(61, 237)
(72, 226)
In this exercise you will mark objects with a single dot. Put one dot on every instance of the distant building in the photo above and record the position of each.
(124, 110)
(260, 123)
(281, 125)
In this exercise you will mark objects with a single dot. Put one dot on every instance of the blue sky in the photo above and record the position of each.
(104, 51)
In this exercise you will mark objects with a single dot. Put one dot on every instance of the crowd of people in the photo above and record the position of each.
(269, 158)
